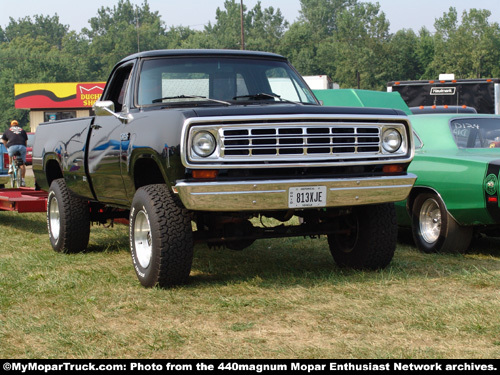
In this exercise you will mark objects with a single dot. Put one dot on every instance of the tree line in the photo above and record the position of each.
(348, 40)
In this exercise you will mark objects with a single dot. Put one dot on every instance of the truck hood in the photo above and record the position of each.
(288, 109)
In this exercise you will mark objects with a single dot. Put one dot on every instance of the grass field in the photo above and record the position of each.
(276, 299)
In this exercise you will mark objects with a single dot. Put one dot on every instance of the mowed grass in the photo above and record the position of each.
(282, 298)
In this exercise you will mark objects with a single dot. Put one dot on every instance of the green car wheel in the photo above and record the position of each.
(434, 230)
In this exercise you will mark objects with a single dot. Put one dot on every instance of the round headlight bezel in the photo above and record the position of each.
(392, 140)
(203, 144)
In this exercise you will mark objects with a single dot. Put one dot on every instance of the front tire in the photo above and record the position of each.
(433, 228)
(161, 237)
(68, 219)
(366, 238)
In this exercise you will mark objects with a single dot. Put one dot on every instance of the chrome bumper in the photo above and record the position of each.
(274, 195)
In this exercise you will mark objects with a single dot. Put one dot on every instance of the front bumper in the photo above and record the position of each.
(274, 195)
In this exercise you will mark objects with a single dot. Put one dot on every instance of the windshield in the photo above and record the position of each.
(219, 80)
(476, 132)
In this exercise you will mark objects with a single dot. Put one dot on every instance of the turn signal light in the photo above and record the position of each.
(393, 168)
(205, 174)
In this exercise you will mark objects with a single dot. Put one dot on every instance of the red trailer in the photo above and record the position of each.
(23, 200)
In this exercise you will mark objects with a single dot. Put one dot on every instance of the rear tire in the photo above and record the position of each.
(433, 228)
(68, 219)
(161, 237)
(366, 238)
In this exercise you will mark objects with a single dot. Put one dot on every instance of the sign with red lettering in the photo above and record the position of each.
(57, 95)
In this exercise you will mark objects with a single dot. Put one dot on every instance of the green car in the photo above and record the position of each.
(456, 194)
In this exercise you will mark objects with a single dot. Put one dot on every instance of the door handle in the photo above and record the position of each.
(95, 126)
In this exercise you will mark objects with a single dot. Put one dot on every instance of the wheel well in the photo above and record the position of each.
(147, 172)
(53, 171)
(416, 192)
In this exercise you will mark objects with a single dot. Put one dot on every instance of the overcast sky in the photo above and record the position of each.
(408, 14)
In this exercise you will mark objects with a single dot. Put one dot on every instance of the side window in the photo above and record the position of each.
(118, 86)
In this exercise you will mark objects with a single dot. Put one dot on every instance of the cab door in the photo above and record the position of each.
(104, 148)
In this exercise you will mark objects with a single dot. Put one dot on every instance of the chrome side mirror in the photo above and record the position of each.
(104, 108)
(107, 108)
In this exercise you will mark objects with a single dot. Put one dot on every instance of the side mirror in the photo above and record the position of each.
(104, 108)
(107, 108)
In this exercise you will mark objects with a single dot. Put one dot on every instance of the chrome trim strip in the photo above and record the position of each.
(370, 187)
(273, 195)
(240, 192)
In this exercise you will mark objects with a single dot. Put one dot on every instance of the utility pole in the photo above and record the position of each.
(242, 27)
(137, 28)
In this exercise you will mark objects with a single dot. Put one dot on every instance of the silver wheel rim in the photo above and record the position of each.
(54, 218)
(430, 220)
(142, 239)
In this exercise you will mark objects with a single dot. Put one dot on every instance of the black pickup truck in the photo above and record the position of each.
(195, 145)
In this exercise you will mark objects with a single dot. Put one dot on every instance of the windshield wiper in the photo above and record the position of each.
(264, 95)
(159, 100)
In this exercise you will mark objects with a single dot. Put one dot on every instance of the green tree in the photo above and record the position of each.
(309, 42)
(405, 64)
(118, 32)
(425, 50)
(362, 47)
(482, 39)
(470, 49)
(47, 28)
(3, 37)
(266, 29)
(177, 37)
(263, 28)
(226, 31)
(299, 47)
(322, 14)
(33, 51)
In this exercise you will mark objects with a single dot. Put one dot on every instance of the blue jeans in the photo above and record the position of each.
(20, 148)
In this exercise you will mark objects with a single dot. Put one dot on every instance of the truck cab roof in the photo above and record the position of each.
(202, 52)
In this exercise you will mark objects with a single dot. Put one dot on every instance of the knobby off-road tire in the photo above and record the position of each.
(365, 239)
(161, 237)
(68, 219)
(433, 228)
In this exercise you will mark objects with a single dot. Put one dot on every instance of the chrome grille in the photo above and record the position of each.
(286, 141)
(292, 140)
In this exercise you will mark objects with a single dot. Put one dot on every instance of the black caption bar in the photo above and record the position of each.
(229, 366)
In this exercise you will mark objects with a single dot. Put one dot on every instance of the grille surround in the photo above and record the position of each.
(272, 141)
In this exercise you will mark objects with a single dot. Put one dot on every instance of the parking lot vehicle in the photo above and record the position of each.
(29, 148)
(421, 110)
(194, 145)
(4, 162)
(457, 191)
(482, 94)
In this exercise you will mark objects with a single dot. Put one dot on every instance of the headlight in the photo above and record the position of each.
(391, 140)
(203, 144)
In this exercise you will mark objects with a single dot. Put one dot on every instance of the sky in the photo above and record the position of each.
(402, 14)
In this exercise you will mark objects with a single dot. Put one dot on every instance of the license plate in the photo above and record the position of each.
(307, 196)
